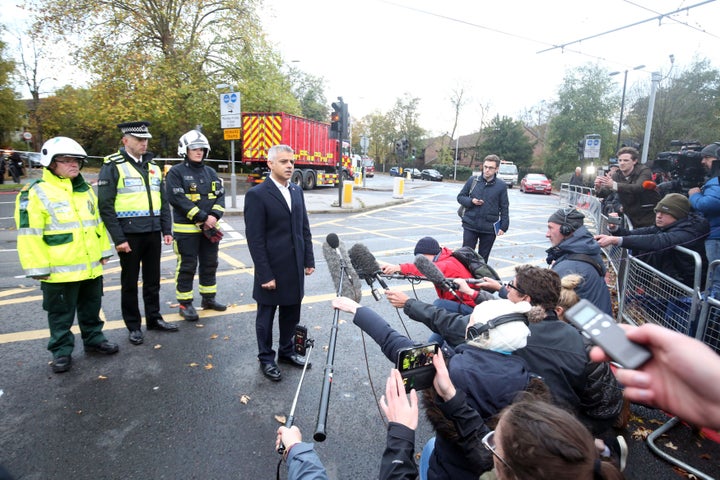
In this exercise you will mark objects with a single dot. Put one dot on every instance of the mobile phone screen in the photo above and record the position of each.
(416, 366)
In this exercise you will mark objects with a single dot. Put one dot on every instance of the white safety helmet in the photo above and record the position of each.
(61, 146)
(192, 140)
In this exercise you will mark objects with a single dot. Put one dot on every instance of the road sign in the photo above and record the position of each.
(231, 134)
(230, 116)
(364, 144)
(27, 136)
(592, 147)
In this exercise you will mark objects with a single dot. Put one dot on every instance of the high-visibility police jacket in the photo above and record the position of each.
(195, 192)
(131, 196)
(60, 233)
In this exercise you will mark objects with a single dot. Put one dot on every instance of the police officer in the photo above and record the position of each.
(63, 243)
(136, 214)
(198, 200)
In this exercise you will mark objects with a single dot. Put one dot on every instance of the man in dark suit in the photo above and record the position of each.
(280, 243)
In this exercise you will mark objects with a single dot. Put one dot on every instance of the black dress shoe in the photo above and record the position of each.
(105, 347)
(62, 364)
(162, 325)
(295, 361)
(212, 304)
(136, 337)
(271, 371)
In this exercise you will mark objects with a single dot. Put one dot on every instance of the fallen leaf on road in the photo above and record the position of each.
(244, 399)
(209, 366)
(281, 419)
(102, 377)
(193, 364)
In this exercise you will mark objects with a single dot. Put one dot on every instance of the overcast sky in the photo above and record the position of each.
(372, 52)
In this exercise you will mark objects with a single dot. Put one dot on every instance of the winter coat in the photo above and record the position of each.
(482, 218)
(279, 241)
(708, 203)
(195, 192)
(304, 464)
(491, 380)
(593, 287)
(637, 202)
(655, 246)
(450, 267)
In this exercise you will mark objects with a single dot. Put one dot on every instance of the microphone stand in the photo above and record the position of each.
(320, 434)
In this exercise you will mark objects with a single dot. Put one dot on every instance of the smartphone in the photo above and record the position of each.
(300, 340)
(601, 328)
(416, 366)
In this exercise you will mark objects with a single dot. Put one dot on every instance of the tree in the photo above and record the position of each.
(687, 108)
(404, 117)
(381, 134)
(11, 111)
(309, 90)
(586, 104)
(506, 138)
(161, 60)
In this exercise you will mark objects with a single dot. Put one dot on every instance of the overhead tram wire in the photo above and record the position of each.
(674, 19)
(657, 17)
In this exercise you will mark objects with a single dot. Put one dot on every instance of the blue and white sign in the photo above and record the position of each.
(592, 148)
(230, 116)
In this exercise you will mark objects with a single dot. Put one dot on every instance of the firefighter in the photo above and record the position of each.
(198, 200)
(138, 219)
(63, 243)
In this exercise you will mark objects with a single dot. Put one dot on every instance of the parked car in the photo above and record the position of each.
(508, 173)
(431, 174)
(535, 183)
(34, 159)
(414, 172)
(395, 171)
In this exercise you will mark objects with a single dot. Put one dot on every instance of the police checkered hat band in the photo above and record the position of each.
(136, 129)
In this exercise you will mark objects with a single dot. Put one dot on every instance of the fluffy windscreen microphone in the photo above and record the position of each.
(433, 273)
(339, 265)
(367, 267)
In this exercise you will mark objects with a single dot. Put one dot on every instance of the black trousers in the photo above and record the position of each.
(145, 251)
(483, 241)
(193, 249)
(288, 318)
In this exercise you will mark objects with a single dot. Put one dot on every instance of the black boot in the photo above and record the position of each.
(188, 312)
(209, 303)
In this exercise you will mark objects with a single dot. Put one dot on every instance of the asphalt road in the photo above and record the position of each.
(194, 405)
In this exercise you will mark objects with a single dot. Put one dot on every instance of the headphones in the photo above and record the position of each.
(565, 228)
(476, 330)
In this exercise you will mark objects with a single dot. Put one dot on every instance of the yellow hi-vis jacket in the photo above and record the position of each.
(60, 233)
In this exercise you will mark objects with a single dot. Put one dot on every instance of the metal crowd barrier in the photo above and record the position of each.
(648, 295)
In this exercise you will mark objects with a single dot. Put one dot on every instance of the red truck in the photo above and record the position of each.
(315, 152)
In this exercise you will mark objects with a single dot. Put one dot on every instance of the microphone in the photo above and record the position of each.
(367, 267)
(347, 284)
(433, 273)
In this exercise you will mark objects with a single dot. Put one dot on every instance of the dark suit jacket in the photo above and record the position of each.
(280, 242)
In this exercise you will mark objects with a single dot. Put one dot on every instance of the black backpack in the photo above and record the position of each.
(475, 263)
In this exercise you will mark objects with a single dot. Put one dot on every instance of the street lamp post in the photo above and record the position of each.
(622, 103)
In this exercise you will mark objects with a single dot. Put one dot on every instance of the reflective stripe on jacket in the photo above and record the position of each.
(60, 233)
(134, 198)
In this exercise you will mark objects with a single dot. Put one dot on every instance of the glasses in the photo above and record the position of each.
(489, 442)
(512, 285)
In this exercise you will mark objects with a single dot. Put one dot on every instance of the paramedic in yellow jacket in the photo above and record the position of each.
(63, 243)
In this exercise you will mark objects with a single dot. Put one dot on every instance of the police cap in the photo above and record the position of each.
(136, 129)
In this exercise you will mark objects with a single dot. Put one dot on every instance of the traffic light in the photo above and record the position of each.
(335, 121)
(581, 148)
(339, 120)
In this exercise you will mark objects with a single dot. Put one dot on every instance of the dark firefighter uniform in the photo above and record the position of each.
(195, 192)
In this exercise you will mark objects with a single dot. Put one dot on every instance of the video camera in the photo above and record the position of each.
(679, 171)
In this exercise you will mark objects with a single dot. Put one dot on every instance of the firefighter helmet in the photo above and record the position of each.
(192, 140)
(61, 146)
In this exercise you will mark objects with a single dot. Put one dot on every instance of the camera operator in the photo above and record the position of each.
(637, 201)
(302, 460)
(706, 200)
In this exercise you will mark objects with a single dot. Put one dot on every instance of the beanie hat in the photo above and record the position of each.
(427, 246)
(674, 204)
(568, 216)
(507, 337)
(711, 150)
